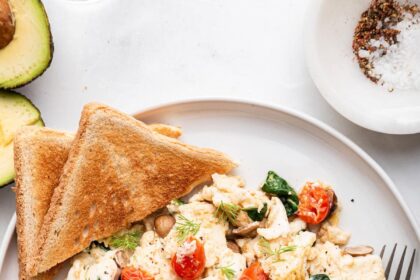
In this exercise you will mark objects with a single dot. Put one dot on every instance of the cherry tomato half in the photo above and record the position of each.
(191, 266)
(254, 272)
(314, 203)
(131, 273)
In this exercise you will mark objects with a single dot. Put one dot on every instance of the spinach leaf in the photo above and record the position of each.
(276, 185)
(254, 214)
(291, 204)
(319, 277)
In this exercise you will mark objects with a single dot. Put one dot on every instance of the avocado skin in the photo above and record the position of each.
(10, 182)
(12, 92)
(51, 54)
(51, 46)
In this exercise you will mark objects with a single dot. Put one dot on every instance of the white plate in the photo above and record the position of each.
(299, 148)
(329, 33)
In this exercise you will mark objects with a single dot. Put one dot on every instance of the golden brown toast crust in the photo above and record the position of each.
(40, 155)
(167, 130)
(118, 171)
(48, 275)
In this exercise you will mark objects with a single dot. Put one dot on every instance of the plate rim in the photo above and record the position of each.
(313, 66)
(312, 121)
(7, 238)
(264, 105)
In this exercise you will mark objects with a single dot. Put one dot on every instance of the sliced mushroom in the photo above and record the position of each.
(233, 246)
(247, 230)
(242, 219)
(163, 224)
(122, 259)
(357, 251)
(333, 203)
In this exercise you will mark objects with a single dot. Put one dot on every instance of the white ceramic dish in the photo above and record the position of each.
(332, 65)
(299, 148)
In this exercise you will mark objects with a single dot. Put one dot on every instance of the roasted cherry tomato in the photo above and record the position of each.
(131, 273)
(254, 272)
(315, 203)
(190, 266)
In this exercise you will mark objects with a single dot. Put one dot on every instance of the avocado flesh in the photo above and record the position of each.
(7, 171)
(30, 52)
(17, 111)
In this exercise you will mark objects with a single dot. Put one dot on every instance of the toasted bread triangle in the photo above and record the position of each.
(37, 147)
(40, 154)
(118, 171)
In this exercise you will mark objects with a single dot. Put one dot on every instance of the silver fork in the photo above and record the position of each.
(400, 265)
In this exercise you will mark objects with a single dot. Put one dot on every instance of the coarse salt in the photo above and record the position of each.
(397, 66)
(187, 249)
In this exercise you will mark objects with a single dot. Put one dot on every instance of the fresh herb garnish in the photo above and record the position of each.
(227, 212)
(276, 253)
(177, 202)
(129, 240)
(276, 185)
(254, 214)
(319, 277)
(228, 272)
(185, 228)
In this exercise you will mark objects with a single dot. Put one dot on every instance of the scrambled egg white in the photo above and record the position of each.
(95, 264)
(304, 253)
(328, 258)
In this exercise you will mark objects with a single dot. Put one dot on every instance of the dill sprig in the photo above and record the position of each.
(185, 228)
(129, 240)
(276, 253)
(227, 272)
(227, 212)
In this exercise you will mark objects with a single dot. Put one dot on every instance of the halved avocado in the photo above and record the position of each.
(16, 111)
(30, 50)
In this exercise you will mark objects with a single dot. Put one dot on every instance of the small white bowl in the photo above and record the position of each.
(334, 69)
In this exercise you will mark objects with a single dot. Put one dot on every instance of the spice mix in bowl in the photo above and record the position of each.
(386, 44)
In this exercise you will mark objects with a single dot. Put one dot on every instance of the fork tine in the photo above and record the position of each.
(382, 251)
(400, 265)
(391, 258)
(410, 267)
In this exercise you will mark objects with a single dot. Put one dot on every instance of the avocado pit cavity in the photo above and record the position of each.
(7, 24)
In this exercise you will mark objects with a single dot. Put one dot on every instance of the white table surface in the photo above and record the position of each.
(136, 54)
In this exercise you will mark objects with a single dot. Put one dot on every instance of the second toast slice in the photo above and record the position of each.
(118, 172)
